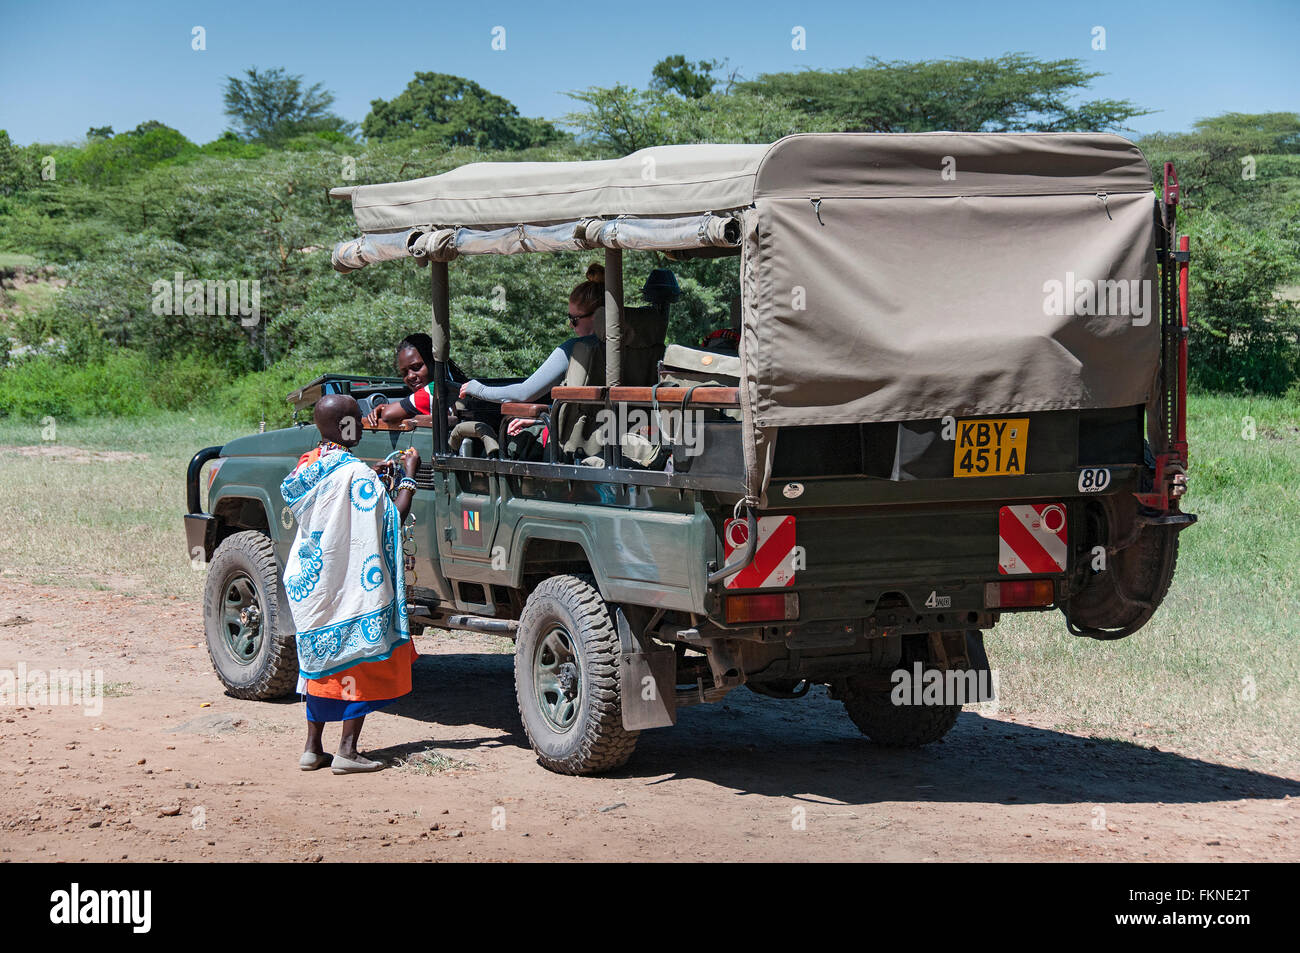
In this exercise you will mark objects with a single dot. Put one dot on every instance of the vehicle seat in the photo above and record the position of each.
(576, 425)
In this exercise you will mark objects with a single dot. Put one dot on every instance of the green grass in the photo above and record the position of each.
(103, 523)
(13, 260)
(1230, 615)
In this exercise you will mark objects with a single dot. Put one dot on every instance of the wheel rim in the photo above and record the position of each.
(557, 678)
(241, 619)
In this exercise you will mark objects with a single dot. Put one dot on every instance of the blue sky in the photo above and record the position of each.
(66, 66)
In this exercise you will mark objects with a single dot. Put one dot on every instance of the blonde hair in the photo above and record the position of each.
(590, 294)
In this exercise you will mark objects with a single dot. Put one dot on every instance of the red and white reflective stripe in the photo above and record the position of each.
(773, 563)
(1032, 538)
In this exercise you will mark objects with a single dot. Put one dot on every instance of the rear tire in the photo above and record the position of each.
(567, 679)
(254, 655)
(872, 709)
(897, 726)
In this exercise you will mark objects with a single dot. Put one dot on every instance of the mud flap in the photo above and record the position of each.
(647, 681)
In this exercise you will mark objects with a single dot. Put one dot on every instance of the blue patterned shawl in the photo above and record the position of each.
(344, 578)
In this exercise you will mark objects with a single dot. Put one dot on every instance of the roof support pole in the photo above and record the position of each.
(613, 336)
(613, 317)
(440, 299)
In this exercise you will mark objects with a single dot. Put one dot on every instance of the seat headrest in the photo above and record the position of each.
(598, 316)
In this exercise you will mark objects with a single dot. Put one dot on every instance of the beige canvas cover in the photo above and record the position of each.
(897, 277)
(662, 181)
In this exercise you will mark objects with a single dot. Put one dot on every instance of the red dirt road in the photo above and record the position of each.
(159, 776)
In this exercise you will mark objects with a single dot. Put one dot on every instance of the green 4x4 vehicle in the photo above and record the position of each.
(958, 392)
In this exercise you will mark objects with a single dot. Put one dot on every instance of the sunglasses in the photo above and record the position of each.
(573, 321)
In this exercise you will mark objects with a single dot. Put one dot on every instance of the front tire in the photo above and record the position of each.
(567, 679)
(254, 655)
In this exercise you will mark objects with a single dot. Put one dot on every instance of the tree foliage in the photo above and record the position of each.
(271, 106)
(453, 111)
(620, 119)
(676, 74)
(13, 174)
(1009, 93)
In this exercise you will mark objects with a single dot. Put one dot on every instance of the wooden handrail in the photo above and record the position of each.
(672, 396)
(708, 396)
(515, 409)
(579, 394)
(410, 423)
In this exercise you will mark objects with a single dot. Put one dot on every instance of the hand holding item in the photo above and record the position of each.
(517, 425)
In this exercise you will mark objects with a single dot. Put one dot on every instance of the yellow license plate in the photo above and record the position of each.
(991, 447)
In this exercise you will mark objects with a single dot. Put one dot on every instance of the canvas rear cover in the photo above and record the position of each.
(895, 277)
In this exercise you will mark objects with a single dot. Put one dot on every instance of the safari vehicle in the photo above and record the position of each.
(959, 392)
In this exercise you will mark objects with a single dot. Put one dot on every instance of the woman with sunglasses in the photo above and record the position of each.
(584, 301)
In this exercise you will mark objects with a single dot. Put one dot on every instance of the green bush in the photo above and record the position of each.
(1244, 335)
(116, 386)
(260, 395)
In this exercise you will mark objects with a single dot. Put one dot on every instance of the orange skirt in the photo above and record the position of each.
(370, 681)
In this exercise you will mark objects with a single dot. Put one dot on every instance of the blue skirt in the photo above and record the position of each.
(336, 709)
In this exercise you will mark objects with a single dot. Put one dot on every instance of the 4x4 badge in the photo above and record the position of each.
(792, 491)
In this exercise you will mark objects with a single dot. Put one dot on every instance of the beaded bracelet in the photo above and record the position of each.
(407, 484)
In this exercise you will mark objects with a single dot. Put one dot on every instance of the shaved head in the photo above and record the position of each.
(338, 418)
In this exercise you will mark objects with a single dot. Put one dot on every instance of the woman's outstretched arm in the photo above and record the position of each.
(542, 380)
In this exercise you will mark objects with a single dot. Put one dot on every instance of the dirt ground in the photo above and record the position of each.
(173, 769)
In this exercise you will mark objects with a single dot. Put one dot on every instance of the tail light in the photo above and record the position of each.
(1019, 592)
(775, 607)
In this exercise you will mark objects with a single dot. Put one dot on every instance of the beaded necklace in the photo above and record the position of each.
(326, 446)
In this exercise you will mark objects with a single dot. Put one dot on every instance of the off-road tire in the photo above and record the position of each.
(273, 672)
(896, 726)
(596, 741)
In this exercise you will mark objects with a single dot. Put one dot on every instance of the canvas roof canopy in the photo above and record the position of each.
(657, 182)
(884, 276)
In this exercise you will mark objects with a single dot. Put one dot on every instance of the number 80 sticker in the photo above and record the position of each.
(1093, 480)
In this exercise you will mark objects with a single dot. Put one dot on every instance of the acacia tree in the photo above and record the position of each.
(270, 106)
(619, 119)
(1210, 158)
(1009, 93)
(453, 111)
